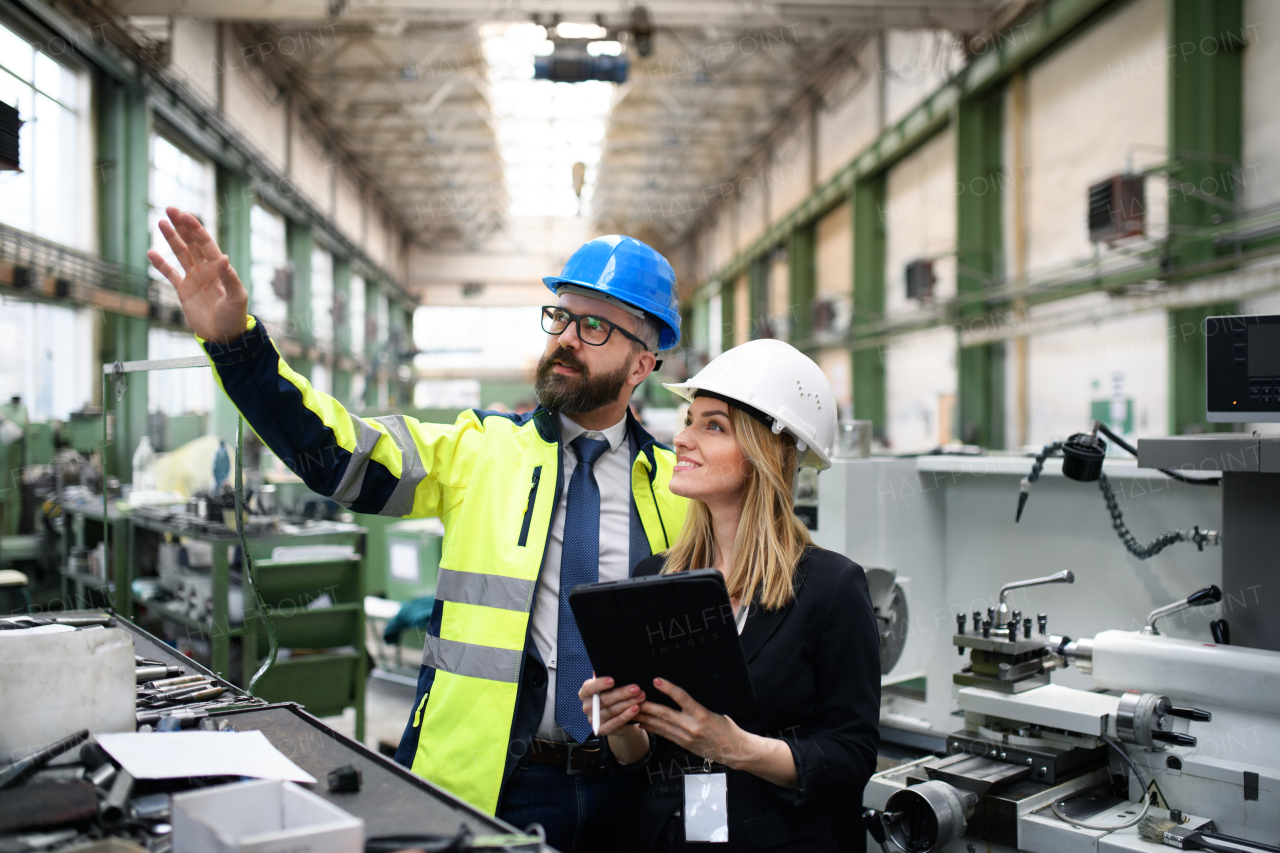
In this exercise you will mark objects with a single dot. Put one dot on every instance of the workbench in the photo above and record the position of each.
(391, 801)
(76, 513)
(218, 628)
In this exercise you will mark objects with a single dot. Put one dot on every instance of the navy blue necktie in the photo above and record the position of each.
(579, 563)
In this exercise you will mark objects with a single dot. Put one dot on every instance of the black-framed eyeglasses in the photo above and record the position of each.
(592, 330)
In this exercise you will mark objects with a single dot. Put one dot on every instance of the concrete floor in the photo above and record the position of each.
(386, 708)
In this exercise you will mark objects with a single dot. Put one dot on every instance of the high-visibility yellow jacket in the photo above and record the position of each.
(494, 480)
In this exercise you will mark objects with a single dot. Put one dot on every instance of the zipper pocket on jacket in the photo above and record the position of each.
(528, 508)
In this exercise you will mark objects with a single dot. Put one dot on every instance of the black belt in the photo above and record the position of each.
(575, 758)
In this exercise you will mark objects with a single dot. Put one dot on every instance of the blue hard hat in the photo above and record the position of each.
(630, 272)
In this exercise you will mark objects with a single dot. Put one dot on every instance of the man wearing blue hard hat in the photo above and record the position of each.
(573, 492)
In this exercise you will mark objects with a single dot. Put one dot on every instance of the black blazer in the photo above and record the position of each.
(815, 666)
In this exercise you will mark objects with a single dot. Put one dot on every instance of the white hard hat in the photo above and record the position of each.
(779, 381)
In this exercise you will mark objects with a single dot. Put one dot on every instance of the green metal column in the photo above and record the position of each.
(342, 328)
(728, 315)
(1206, 42)
(124, 133)
(301, 315)
(402, 317)
(235, 200)
(371, 344)
(758, 295)
(979, 179)
(802, 260)
(869, 397)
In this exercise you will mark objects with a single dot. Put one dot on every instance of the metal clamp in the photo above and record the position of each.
(122, 381)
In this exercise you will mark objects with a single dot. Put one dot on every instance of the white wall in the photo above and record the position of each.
(750, 208)
(1090, 103)
(833, 253)
(920, 378)
(790, 170)
(1261, 150)
(347, 211)
(253, 106)
(1071, 369)
(194, 56)
(259, 111)
(310, 168)
(920, 221)
(848, 120)
(916, 63)
(833, 270)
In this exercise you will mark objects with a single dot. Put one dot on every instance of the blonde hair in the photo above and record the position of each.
(770, 539)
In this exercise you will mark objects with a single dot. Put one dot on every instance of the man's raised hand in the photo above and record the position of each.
(213, 298)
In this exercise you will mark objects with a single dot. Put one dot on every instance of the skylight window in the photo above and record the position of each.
(543, 127)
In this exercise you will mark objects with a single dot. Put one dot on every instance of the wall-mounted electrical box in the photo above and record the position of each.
(10, 124)
(1117, 208)
(823, 318)
(920, 280)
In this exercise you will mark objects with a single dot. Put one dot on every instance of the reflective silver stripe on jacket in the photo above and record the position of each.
(412, 471)
(353, 478)
(472, 660)
(486, 590)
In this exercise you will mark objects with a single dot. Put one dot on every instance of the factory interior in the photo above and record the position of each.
(1031, 246)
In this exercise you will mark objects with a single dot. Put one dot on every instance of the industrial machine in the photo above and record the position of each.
(1190, 726)
(1140, 732)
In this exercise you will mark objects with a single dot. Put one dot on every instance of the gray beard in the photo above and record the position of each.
(576, 395)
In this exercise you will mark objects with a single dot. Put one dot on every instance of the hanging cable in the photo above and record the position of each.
(247, 563)
(1142, 783)
(1168, 472)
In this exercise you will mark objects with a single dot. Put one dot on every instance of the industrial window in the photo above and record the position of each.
(270, 270)
(355, 313)
(321, 378)
(52, 196)
(179, 180)
(48, 357)
(322, 297)
(188, 391)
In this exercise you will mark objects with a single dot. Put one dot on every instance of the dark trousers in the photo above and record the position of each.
(581, 814)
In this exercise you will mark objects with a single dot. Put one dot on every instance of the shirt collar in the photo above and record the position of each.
(569, 430)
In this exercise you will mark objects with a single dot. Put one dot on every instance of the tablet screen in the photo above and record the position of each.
(678, 627)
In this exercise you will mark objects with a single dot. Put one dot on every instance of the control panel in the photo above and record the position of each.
(1242, 368)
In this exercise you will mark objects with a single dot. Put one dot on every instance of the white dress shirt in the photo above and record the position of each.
(613, 476)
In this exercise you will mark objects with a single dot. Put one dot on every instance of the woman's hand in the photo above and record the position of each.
(213, 298)
(618, 709)
(717, 737)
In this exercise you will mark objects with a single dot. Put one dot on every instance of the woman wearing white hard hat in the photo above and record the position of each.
(796, 764)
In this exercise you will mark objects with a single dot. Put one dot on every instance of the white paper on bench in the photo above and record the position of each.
(176, 755)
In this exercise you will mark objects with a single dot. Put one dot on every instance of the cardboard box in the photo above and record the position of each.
(262, 817)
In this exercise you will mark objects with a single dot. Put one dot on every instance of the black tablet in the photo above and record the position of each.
(678, 627)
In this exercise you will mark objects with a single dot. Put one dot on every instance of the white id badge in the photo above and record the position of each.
(706, 813)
